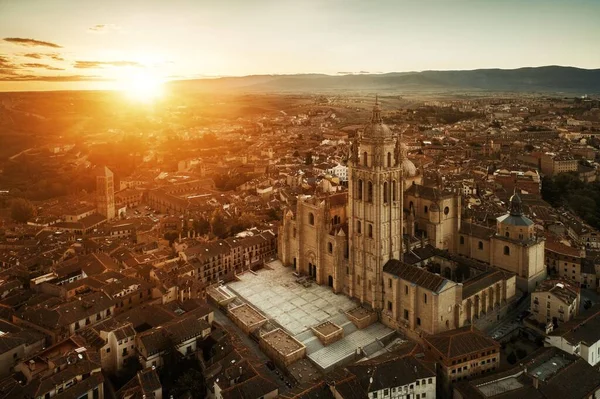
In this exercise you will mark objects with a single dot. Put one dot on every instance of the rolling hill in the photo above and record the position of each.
(548, 79)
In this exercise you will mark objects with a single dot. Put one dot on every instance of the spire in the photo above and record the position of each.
(516, 205)
(376, 118)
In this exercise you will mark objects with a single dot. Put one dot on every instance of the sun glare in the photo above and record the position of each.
(143, 87)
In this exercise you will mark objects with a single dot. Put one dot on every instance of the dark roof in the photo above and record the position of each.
(483, 280)
(414, 274)
(461, 342)
(476, 230)
(583, 328)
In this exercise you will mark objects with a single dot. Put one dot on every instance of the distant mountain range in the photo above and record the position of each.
(547, 79)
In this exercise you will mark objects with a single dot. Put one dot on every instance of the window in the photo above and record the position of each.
(365, 159)
(507, 234)
(480, 245)
(389, 163)
(360, 190)
(370, 231)
(311, 219)
(405, 314)
(425, 209)
(506, 250)
(390, 306)
(425, 298)
(418, 321)
(446, 211)
(107, 350)
(390, 283)
(394, 190)
(406, 289)
(370, 192)
(423, 395)
(330, 247)
(385, 193)
(358, 227)
(430, 381)
(462, 240)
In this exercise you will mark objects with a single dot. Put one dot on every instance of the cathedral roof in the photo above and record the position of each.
(513, 220)
(476, 230)
(515, 216)
(414, 274)
(376, 128)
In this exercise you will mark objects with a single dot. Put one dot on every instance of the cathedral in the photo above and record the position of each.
(364, 242)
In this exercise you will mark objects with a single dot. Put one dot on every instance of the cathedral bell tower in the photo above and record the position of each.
(375, 176)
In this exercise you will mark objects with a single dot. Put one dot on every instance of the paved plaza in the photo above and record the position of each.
(275, 293)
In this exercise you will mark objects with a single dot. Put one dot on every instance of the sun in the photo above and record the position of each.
(143, 87)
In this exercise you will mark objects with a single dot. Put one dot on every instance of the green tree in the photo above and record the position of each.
(21, 210)
(308, 160)
(218, 226)
(171, 235)
(202, 226)
(192, 383)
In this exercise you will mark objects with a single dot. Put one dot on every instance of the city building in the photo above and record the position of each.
(513, 245)
(579, 336)
(105, 193)
(554, 301)
(462, 354)
(548, 373)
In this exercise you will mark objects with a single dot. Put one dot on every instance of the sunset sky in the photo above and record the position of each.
(66, 44)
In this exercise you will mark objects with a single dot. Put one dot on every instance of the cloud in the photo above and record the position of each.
(103, 28)
(7, 64)
(41, 78)
(102, 64)
(30, 42)
(45, 66)
(38, 56)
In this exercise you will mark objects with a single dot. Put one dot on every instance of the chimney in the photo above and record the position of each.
(536, 381)
(31, 365)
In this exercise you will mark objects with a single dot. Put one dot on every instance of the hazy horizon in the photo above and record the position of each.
(104, 44)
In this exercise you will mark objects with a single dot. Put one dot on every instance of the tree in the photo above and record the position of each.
(308, 160)
(217, 224)
(171, 235)
(192, 382)
(202, 226)
(21, 210)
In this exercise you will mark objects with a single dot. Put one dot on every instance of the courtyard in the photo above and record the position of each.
(296, 308)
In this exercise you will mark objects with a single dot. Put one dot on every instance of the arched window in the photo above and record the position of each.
(506, 250)
(410, 205)
(462, 240)
(385, 192)
(389, 163)
(480, 245)
(330, 247)
(425, 209)
(365, 159)
(370, 192)
(507, 234)
(360, 190)
(393, 190)
(358, 227)
(311, 219)
(446, 210)
(370, 231)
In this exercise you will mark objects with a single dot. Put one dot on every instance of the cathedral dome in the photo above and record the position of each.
(409, 168)
(376, 128)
